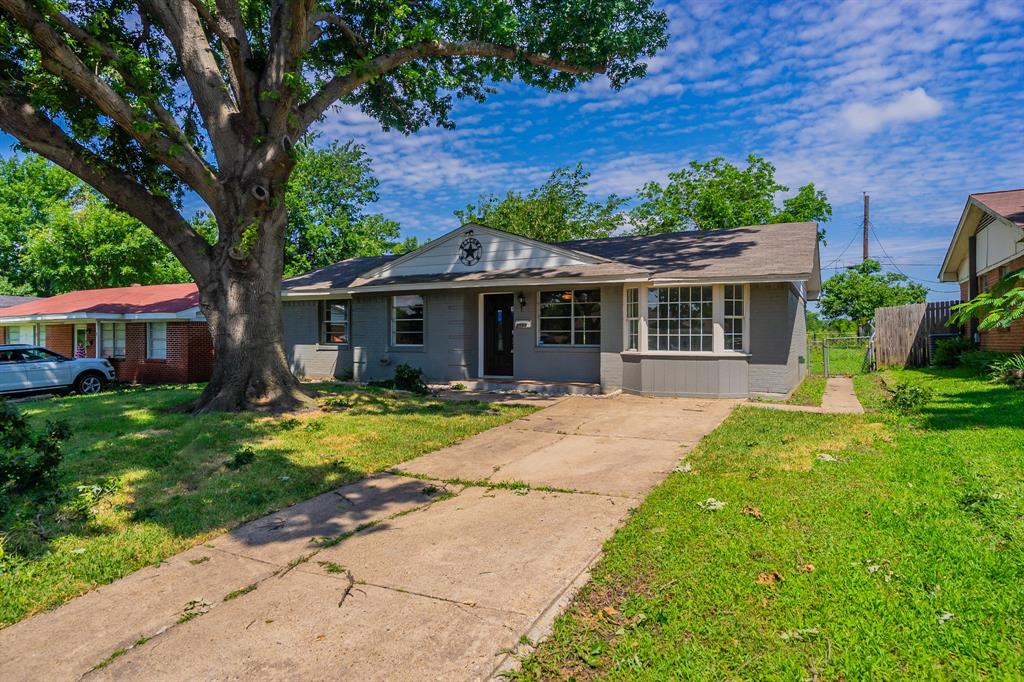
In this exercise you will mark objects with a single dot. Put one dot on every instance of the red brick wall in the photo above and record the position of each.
(59, 338)
(1011, 339)
(189, 355)
(3, 335)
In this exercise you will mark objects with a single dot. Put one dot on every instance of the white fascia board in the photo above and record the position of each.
(318, 294)
(500, 283)
(191, 314)
(763, 279)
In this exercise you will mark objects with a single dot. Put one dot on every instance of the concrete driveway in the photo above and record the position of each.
(434, 572)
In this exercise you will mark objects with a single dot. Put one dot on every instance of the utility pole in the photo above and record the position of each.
(867, 202)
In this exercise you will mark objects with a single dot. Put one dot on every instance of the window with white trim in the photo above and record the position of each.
(633, 318)
(407, 317)
(334, 322)
(679, 319)
(570, 318)
(112, 339)
(733, 321)
(41, 335)
(156, 340)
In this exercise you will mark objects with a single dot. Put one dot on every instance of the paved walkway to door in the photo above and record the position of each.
(431, 573)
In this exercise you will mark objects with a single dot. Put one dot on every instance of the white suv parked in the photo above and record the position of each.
(28, 369)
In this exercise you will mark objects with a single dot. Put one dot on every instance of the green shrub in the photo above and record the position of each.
(948, 351)
(243, 456)
(1010, 370)
(981, 361)
(28, 460)
(906, 397)
(409, 378)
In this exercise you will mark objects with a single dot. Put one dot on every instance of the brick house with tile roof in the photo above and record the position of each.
(151, 334)
(987, 245)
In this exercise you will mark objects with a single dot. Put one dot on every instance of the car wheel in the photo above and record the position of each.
(89, 383)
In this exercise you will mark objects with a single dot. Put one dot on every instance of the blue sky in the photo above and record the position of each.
(917, 102)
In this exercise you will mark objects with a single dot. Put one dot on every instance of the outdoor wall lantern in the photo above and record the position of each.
(522, 301)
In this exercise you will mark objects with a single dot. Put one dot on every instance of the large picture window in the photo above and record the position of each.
(112, 339)
(733, 323)
(407, 320)
(334, 322)
(156, 340)
(570, 318)
(679, 319)
(633, 319)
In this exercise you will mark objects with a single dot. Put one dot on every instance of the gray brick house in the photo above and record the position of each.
(716, 314)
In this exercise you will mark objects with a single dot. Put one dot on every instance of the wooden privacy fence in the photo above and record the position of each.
(903, 334)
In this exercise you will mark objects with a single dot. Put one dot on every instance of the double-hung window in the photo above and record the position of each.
(570, 318)
(733, 321)
(334, 322)
(679, 319)
(633, 319)
(156, 340)
(112, 339)
(407, 317)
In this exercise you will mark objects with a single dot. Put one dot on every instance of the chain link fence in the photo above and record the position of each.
(840, 355)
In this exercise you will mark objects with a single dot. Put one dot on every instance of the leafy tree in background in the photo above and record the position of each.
(58, 235)
(855, 293)
(558, 210)
(147, 100)
(327, 197)
(997, 308)
(716, 194)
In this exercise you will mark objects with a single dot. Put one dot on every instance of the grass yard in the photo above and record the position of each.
(901, 559)
(155, 483)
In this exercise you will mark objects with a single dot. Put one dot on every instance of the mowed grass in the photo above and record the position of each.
(903, 559)
(172, 481)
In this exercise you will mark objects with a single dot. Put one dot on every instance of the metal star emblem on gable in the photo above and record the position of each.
(469, 251)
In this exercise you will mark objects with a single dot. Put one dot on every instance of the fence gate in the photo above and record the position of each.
(847, 355)
(903, 334)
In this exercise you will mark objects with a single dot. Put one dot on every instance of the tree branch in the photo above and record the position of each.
(181, 25)
(59, 59)
(289, 25)
(343, 85)
(228, 26)
(357, 42)
(38, 133)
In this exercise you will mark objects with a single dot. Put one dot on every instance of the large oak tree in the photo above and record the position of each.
(146, 99)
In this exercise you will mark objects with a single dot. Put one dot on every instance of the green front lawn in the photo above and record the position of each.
(901, 559)
(166, 481)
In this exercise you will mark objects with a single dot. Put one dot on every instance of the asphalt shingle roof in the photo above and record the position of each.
(156, 298)
(1008, 203)
(785, 251)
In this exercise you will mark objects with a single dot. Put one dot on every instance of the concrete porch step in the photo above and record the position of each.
(531, 386)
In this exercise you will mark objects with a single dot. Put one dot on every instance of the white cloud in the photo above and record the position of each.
(913, 105)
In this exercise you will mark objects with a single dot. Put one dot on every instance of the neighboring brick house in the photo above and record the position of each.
(987, 245)
(152, 334)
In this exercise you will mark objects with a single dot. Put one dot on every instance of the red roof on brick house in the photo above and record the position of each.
(1008, 203)
(135, 300)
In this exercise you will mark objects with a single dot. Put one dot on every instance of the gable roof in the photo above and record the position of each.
(783, 252)
(8, 301)
(1006, 204)
(1009, 204)
(125, 302)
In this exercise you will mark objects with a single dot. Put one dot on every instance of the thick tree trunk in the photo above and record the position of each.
(242, 303)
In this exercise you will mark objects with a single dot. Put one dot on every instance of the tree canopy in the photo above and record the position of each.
(557, 210)
(146, 99)
(715, 194)
(856, 292)
(59, 235)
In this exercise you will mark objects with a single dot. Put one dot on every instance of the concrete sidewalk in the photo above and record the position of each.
(431, 573)
(839, 398)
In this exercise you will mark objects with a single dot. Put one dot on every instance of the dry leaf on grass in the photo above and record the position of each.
(753, 511)
(806, 568)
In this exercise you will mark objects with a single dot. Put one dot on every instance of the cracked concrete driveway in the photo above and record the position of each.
(433, 572)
